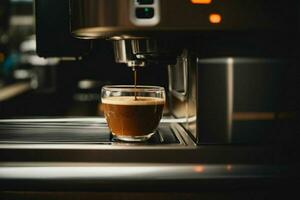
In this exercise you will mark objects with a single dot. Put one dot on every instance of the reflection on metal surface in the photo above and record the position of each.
(199, 168)
(230, 84)
(135, 171)
(178, 77)
(229, 167)
(246, 116)
(89, 119)
(241, 116)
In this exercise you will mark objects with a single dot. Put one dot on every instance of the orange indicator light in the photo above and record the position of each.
(215, 18)
(201, 1)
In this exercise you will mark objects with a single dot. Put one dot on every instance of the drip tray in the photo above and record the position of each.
(74, 132)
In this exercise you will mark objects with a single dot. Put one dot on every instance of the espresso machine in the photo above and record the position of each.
(217, 101)
(233, 100)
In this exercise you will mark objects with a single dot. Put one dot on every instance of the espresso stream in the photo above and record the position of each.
(135, 82)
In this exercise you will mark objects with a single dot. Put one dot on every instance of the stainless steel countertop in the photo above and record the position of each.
(127, 167)
(136, 171)
(135, 177)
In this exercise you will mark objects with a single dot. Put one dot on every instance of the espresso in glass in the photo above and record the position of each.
(133, 113)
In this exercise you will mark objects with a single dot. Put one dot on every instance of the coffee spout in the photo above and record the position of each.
(124, 54)
(137, 52)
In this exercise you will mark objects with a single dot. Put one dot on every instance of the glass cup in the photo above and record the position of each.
(133, 113)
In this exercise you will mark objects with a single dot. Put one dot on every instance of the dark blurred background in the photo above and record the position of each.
(32, 86)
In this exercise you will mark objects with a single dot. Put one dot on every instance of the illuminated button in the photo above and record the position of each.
(215, 18)
(201, 1)
(144, 13)
(145, 2)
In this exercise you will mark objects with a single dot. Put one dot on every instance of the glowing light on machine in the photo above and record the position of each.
(215, 18)
(201, 1)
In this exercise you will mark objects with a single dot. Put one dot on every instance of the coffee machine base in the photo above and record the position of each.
(80, 132)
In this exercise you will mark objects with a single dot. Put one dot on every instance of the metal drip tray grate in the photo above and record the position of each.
(70, 132)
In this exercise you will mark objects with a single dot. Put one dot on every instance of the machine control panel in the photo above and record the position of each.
(145, 12)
